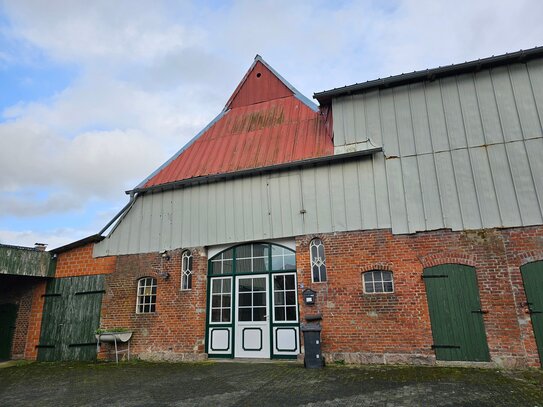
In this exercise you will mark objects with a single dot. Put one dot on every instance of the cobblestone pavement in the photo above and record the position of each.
(263, 384)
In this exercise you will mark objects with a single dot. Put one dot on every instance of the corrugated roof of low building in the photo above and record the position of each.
(265, 122)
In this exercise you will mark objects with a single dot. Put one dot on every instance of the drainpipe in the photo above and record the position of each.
(133, 197)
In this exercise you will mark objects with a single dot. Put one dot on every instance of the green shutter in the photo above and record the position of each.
(71, 315)
(532, 276)
(455, 313)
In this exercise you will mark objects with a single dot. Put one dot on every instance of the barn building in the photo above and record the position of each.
(411, 206)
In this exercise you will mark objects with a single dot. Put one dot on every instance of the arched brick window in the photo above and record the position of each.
(186, 270)
(378, 282)
(146, 297)
(318, 261)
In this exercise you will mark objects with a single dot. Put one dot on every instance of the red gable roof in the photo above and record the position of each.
(265, 122)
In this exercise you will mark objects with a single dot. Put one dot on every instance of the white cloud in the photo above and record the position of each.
(150, 75)
(100, 31)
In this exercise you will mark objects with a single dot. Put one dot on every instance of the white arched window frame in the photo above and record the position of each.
(186, 270)
(378, 282)
(318, 261)
(146, 295)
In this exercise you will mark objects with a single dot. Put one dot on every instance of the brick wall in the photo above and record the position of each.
(176, 330)
(79, 262)
(390, 328)
(34, 321)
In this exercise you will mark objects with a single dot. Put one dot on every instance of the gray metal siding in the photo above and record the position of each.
(462, 152)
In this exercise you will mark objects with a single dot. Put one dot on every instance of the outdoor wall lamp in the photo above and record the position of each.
(165, 255)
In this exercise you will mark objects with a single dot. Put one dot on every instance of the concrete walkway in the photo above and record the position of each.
(259, 384)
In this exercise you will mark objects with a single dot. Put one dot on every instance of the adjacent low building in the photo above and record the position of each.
(411, 206)
(24, 274)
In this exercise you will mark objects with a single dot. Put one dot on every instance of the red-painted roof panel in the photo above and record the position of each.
(260, 84)
(265, 123)
(268, 133)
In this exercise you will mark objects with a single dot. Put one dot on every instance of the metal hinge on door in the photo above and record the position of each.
(479, 311)
(436, 276)
(445, 346)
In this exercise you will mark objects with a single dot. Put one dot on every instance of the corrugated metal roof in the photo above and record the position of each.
(265, 123)
(326, 96)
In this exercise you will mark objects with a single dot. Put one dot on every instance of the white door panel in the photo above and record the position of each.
(252, 325)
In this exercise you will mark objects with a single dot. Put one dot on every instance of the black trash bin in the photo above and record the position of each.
(312, 343)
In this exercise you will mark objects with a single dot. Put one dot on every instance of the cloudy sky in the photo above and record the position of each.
(94, 95)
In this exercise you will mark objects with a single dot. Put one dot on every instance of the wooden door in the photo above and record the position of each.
(71, 315)
(532, 276)
(455, 313)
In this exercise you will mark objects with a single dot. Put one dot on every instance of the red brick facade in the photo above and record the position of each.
(357, 327)
(79, 262)
(176, 331)
(34, 322)
(390, 328)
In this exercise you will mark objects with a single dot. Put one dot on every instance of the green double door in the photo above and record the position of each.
(71, 315)
(8, 316)
(455, 313)
(532, 277)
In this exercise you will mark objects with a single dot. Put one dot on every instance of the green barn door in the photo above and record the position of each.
(8, 316)
(71, 314)
(532, 276)
(455, 313)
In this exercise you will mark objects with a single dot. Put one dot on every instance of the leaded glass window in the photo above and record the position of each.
(378, 281)
(318, 261)
(146, 296)
(186, 270)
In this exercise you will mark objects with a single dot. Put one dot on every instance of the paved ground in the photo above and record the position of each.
(263, 384)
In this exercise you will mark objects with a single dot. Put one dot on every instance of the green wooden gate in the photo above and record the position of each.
(455, 313)
(532, 276)
(71, 314)
(8, 316)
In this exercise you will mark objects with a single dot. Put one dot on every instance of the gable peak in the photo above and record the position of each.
(262, 83)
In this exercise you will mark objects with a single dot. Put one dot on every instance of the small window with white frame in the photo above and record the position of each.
(318, 261)
(378, 282)
(146, 299)
(186, 270)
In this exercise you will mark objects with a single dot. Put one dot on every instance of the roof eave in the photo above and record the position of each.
(325, 97)
(82, 242)
(252, 171)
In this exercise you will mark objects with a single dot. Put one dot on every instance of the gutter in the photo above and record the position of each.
(125, 209)
(252, 171)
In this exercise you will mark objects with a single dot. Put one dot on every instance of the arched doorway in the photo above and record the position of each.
(252, 306)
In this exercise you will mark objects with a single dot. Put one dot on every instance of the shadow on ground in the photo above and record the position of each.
(262, 384)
